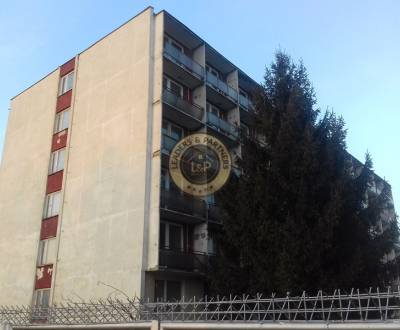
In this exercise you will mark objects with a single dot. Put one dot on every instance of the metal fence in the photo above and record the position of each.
(354, 306)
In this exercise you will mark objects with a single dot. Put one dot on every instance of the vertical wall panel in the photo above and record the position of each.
(43, 277)
(54, 182)
(49, 228)
(59, 140)
(64, 101)
(67, 67)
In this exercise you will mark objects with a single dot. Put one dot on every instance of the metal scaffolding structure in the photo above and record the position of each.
(339, 307)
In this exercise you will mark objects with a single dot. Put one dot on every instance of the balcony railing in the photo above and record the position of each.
(222, 87)
(222, 125)
(189, 261)
(176, 202)
(183, 60)
(177, 102)
(246, 103)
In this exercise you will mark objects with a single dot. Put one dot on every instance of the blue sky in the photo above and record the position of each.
(351, 50)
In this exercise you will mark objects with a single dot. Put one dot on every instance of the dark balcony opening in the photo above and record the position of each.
(184, 261)
(181, 67)
(220, 93)
(224, 130)
(245, 103)
(181, 111)
(181, 207)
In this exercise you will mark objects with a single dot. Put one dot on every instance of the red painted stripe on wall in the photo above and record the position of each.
(64, 101)
(59, 140)
(49, 228)
(54, 182)
(43, 277)
(67, 67)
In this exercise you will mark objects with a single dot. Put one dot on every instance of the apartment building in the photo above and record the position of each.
(87, 205)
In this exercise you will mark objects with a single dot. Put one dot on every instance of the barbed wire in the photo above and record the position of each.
(355, 306)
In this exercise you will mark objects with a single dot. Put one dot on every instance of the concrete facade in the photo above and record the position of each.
(23, 174)
(100, 209)
(107, 232)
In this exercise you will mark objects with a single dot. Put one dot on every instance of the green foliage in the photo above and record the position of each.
(299, 217)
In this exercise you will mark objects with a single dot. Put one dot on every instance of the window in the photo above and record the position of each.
(167, 184)
(57, 159)
(66, 83)
(62, 121)
(52, 205)
(42, 298)
(171, 236)
(164, 177)
(172, 130)
(211, 108)
(213, 71)
(211, 244)
(173, 86)
(243, 93)
(173, 43)
(210, 199)
(167, 290)
(46, 253)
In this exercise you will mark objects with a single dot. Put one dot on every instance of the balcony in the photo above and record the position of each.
(246, 107)
(182, 208)
(182, 67)
(180, 260)
(225, 131)
(220, 93)
(181, 111)
(246, 103)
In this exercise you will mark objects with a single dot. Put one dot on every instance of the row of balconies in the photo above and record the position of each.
(191, 116)
(175, 206)
(194, 74)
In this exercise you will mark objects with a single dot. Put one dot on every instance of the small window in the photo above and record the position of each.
(52, 205)
(172, 130)
(211, 244)
(46, 252)
(66, 83)
(174, 44)
(61, 121)
(173, 86)
(171, 236)
(165, 180)
(175, 237)
(243, 93)
(167, 290)
(210, 199)
(167, 184)
(42, 298)
(211, 108)
(57, 160)
(213, 71)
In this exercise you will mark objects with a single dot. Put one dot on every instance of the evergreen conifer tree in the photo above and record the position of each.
(299, 217)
